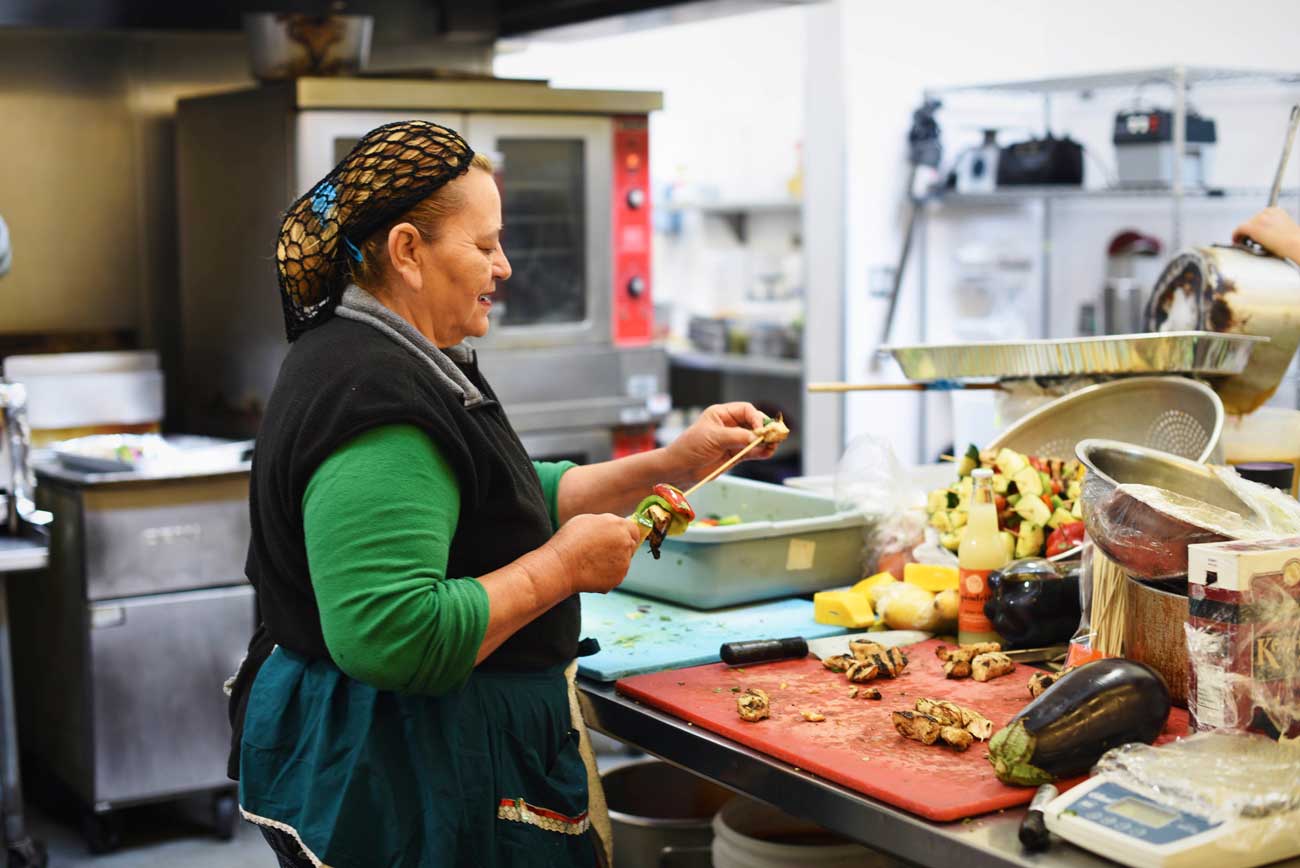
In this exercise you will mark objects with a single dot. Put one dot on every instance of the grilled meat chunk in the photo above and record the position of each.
(753, 705)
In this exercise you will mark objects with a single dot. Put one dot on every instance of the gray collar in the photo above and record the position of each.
(360, 306)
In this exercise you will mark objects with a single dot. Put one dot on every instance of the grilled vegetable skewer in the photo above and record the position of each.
(663, 514)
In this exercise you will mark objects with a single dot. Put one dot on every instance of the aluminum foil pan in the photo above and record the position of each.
(1207, 354)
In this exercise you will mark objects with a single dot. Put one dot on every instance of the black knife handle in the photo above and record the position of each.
(762, 650)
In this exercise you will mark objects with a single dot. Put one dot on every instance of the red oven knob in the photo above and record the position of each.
(636, 286)
(635, 198)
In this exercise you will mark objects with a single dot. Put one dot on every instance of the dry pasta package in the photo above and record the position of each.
(1103, 599)
(1243, 636)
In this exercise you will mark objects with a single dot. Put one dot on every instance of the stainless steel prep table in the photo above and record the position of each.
(984, 842)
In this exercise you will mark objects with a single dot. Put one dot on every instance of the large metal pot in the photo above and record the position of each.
(661, 815)
(288, 45)
(1232, 290)
(1154, 633)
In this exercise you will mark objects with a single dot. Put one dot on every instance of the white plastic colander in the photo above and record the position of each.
(1172, 414)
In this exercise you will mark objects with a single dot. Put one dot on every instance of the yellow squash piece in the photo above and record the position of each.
(865, 586)
(843, 608)
(931, 577)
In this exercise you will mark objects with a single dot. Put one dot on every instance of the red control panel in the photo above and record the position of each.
(633, 309)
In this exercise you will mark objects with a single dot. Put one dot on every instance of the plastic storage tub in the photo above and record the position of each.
(789, 542)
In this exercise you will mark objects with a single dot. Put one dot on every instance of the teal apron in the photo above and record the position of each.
(489, 775)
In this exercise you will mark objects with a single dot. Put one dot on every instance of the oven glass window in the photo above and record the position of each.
(543, 201)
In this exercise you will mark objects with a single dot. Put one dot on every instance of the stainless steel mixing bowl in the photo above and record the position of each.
(1145, 541)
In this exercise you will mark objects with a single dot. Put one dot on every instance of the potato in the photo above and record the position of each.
(907, 607)
(946, 604)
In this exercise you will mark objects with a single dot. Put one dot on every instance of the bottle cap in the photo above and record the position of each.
(982, 473)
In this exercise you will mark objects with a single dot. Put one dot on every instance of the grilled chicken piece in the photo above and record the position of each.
(890, 663)
(862, 671)
(753, 705)
(813, 716)
(1040, 681)
(774, 430)
(966, 652)
(862, 649)
(956, 738)
(916, 726)
(953, 714)
(991, 665)
(957, 668)
(869, 693)
(839, 663)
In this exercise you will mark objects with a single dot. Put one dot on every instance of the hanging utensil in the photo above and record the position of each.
(1249, 243)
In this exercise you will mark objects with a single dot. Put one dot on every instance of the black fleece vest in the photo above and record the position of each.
(339, 380)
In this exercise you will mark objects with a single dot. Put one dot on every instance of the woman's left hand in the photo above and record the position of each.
(721, 431)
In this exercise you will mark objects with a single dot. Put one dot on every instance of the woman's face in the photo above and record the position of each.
(464, 263)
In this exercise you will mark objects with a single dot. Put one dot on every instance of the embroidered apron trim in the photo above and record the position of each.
(288, 830)
(552, 821)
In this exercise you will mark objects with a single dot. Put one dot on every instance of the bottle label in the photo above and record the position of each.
(974, 594)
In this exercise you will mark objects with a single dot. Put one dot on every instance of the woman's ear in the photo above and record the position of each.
(404, 251)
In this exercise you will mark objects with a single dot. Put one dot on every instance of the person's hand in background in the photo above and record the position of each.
(1274, 229)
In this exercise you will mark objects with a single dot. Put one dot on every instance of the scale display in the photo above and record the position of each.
(1110, 819)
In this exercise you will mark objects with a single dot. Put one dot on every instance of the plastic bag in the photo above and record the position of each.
(870, 479)
(1146, 530)
(1221, 776)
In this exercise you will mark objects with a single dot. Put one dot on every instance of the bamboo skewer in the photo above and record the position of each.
(726, 465)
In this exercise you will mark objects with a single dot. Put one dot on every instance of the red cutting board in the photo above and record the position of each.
(857, 745)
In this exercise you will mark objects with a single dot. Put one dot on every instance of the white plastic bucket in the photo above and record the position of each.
(749, 834)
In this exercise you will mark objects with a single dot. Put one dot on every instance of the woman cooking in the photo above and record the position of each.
(404, 701)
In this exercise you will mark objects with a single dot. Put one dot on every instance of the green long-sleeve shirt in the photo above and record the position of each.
(379, 515)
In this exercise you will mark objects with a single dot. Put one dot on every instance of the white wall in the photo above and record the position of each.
(730, 129)
(893, 51)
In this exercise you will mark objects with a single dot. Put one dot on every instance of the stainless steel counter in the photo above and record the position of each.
(22, 553)
(984, 842)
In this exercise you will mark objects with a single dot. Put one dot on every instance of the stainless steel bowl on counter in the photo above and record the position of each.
(288, 45)
(1145, 541)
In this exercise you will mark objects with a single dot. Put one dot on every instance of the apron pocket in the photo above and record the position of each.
(541, 817)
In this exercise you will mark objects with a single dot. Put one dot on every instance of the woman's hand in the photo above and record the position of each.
(595, 550)
(1275, 230)
(721, 431)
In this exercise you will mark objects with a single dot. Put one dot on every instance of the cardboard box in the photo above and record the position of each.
(1243, 636)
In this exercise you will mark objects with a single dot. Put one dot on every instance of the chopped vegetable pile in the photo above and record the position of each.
(1037, 499)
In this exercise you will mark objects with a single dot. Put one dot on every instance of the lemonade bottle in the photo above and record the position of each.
(981, 552)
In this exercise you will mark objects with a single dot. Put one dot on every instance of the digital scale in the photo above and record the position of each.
(1119, 823)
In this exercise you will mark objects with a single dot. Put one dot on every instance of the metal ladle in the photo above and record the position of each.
(1250, 244)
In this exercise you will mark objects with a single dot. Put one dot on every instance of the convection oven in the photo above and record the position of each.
(571, 350)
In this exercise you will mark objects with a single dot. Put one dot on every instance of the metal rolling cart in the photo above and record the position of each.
(121, 654)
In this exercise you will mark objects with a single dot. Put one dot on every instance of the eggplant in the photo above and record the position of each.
(1088, 711)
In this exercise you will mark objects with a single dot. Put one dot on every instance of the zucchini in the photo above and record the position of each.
(941, 522)
(1010, 462)
(1029, 540)
(1028, 481)
(937, 500)
(1000, 484)
(1008, 543)
(957, 519)
(953, 499)
(1013, 499)
(969, 461)
(1088, 711)
(1060, 517)
(1033, 509)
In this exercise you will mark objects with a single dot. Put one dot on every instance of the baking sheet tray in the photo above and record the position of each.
(1205, 353)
